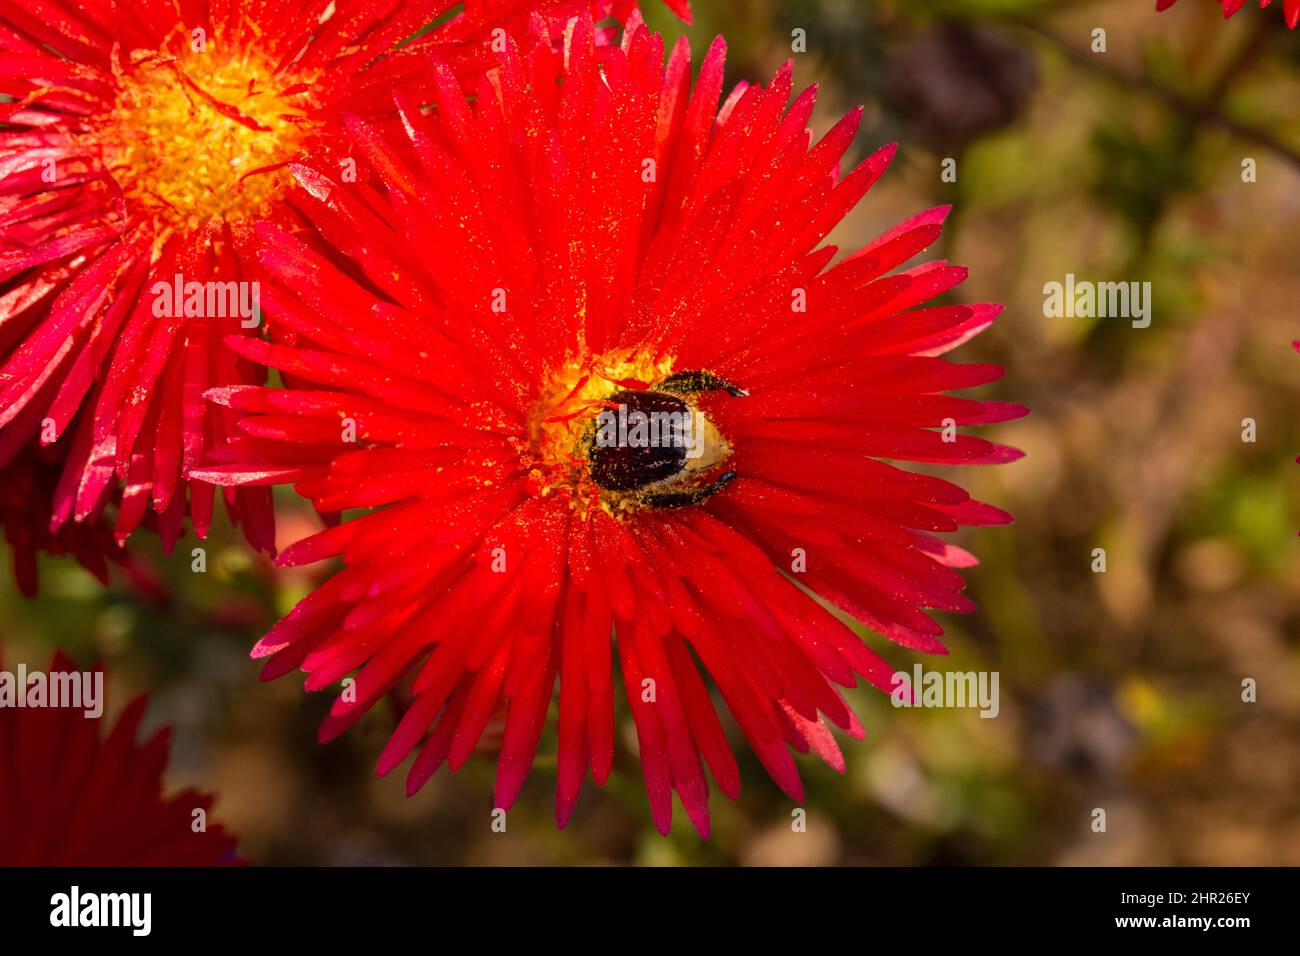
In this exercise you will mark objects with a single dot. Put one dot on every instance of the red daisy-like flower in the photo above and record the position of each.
(70, 798)
(26, 499)
(142, 141)
(617, 241)
(1290, 8)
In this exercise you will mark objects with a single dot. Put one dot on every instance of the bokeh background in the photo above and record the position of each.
(1120, 690)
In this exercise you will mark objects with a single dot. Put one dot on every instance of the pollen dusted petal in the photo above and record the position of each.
(490, 567)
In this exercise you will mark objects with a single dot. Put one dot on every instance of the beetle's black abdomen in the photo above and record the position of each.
(622, 457)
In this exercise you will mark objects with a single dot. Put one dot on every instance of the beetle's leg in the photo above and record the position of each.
(680, 499)
(690, 382)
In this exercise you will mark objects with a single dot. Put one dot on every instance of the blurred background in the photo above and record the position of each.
(1120, 690)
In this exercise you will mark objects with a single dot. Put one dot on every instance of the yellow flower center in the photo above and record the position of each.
(559, 427)
(192, 137)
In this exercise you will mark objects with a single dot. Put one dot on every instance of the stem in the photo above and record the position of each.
(1193, 109)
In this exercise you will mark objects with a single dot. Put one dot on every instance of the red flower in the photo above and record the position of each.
(69, 798)
(616, 239)
(143, 140)
(26, 499)
(1291, 8)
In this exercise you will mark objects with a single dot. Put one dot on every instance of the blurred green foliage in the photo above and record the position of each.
(1121, 689)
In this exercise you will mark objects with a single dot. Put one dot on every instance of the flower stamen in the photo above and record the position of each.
(200, 137)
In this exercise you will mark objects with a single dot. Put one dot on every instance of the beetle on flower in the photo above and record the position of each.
(615, 233)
